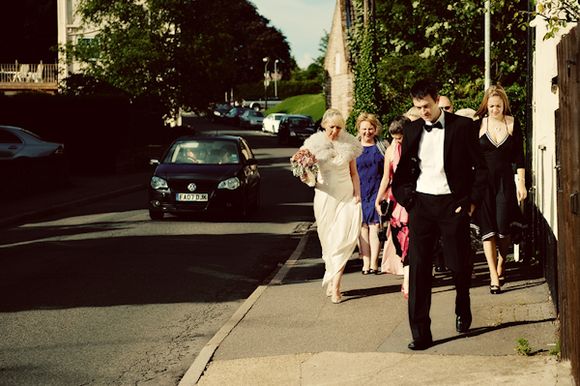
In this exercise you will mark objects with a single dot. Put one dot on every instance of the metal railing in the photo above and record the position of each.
(28, 74)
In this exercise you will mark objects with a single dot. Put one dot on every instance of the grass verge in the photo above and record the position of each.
(308, 104)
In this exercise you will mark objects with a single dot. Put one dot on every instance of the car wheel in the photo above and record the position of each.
(282, 139)
(156, 214)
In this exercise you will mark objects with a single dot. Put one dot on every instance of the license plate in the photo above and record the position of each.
(197, 197)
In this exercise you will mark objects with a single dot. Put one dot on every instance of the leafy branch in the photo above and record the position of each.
(558, 14)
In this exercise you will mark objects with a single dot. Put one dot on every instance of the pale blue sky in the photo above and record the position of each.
(303, 22)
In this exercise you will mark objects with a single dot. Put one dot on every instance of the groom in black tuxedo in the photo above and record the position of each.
(440, 179)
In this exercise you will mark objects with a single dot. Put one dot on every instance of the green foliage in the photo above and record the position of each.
(183, 53)
(312, 105)
(558, 14)
(523, 347)
(363, 48)
(555, 351)
(443, 40)
(314, 71)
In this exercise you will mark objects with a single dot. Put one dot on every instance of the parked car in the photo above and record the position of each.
(205, 174)
(294, 128)
(219, 110)
(232, 117)
(19, 143)
(26, 159)
(272, 122)
(251, 119)
(260, 104)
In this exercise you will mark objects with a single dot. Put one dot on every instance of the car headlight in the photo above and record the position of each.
(292, 133)
(158, 183)
(231, 183)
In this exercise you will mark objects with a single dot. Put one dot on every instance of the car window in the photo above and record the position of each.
(203, 152)
(8, 137)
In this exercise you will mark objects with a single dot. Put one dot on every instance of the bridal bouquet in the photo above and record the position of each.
(304, 165)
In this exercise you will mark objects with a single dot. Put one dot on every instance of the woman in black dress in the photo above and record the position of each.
(499, 216)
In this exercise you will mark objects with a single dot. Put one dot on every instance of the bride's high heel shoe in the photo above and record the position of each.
(328, 291)
(335, 295)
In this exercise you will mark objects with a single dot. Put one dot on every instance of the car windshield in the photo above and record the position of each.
(203, 152)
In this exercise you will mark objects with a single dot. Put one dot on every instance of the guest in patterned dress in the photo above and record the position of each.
(398, 229)
(370, 170)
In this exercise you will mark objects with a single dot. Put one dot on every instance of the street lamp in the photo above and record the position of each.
(266, 60)
(276, 78)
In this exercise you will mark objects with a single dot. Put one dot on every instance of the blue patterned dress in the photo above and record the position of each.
(370, 165)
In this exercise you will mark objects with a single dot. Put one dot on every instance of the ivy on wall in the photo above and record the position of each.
(363, 48)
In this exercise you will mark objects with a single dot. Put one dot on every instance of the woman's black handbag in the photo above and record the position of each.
(387, 210)
(382, 233)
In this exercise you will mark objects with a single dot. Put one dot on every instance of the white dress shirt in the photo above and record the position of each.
(432, 179)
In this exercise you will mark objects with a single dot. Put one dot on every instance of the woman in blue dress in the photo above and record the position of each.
(370, 166)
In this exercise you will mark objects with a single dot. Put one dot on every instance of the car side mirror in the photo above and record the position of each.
(154, 162)
(253, 164)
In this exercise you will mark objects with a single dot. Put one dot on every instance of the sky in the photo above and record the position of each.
(303, 22)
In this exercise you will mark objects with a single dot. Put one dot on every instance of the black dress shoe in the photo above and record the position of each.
(462, 323)
(420, 344)
(440, 268)
(494, 289)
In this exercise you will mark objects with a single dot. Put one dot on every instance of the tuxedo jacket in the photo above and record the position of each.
(464, 164)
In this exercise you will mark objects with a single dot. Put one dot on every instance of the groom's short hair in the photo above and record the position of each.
(425, 87)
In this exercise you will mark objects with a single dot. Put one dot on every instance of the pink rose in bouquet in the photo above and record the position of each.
(304, 166)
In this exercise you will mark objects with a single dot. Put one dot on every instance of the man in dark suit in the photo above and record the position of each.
(440, 179)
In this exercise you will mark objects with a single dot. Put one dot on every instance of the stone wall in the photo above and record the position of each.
(339, 88)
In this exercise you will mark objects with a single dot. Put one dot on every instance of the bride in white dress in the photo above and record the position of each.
(337, 207)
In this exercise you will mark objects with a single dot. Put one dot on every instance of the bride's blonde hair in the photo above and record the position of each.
(332, 116)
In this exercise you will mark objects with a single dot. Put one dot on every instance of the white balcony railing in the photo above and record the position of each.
(28, 75)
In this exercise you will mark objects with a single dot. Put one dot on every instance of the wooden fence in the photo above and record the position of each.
(568, 187)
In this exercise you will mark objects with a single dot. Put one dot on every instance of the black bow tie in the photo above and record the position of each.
(428, 128)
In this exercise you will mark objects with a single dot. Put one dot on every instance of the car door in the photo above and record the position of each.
(10, 145)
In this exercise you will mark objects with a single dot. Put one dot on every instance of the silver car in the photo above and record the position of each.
(17, 143)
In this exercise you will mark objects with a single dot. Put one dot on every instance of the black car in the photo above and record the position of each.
(295, 128)
(201, 174)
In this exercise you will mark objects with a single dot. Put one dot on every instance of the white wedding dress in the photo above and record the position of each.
(338, 216)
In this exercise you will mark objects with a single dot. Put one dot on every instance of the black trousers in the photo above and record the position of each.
(431, 216)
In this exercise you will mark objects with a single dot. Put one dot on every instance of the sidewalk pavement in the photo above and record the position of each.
(81, 190)
(289, 333)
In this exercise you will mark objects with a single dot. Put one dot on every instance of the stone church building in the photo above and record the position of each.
(339, 75)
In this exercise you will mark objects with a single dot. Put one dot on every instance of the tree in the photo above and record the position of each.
(315, 70)
(182, 53)
(444, 39)
(558, 14)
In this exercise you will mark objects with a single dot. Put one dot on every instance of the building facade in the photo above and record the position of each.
(339, 75)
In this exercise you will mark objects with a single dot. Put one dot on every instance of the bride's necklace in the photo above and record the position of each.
(496, 125)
